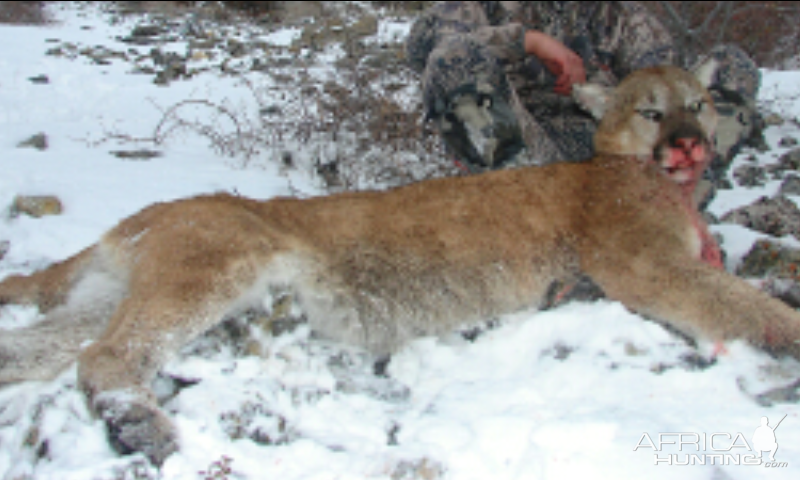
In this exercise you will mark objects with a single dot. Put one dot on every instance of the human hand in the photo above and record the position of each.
(562, 62)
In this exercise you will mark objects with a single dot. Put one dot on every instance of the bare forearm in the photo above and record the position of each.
(561, 61)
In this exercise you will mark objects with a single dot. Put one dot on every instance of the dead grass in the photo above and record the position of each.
(23, 13)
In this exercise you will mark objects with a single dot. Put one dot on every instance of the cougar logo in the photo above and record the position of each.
(379, 268)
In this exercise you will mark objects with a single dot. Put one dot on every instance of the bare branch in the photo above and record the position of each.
(675, 17)
(760, 6)
(710, 19)
(723, 29)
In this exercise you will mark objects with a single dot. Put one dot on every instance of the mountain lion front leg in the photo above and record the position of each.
(699, 300)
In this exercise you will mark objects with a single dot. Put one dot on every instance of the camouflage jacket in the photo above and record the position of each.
(613, 38)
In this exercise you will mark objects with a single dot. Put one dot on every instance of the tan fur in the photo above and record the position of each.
(378, 268)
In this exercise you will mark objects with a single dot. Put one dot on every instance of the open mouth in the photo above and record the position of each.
(685, 161)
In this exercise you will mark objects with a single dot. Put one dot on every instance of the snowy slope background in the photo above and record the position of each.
(568, 393)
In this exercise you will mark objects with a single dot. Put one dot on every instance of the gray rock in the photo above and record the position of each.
(750, 176)
(791, 186)
(147, 31)
(770, 260)
(40, 80)
(38, 141)
(781, 395)
(790, 161)
(136, 155)
(777, 216)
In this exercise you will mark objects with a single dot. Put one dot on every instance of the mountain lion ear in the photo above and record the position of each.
(593, 98)
(706, 71)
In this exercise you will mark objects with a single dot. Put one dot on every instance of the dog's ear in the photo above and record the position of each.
(593, 98)
(706, 71)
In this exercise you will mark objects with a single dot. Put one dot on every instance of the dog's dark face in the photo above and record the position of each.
(480, 128)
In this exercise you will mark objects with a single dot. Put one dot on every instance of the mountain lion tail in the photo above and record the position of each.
(77, 301)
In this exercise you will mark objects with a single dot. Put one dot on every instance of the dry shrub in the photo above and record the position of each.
(768, 31)
(228, 11)
(23, 13)
(354, 137)
(404, 6)
(253, 8)
(362, 128)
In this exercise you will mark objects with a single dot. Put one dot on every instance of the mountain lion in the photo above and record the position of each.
(376, 269)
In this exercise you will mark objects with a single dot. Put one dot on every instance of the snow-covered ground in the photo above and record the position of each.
(586, 391)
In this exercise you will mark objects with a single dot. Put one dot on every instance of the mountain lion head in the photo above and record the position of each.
(660, 113)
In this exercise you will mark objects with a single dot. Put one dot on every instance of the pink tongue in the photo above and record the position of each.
(681, 159)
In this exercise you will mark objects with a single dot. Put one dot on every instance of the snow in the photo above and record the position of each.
(284, 37)
(567, 393)
(782, 92)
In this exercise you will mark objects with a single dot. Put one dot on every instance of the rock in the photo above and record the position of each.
(173, 66)
(775, 172)
(170, 74)
(424, 469)
(136, 155)
(40, 80)
(774, 120)
(147, 31)
(237, 49)
(781, 395)
(777, 216)
(144, 71)
(791, 186)
(790, 160)
(144, 35)
(769, 259)
(38, 141)
(36, 206)
(560, 352)
(779, 268)
(750, 176)
(102, 55)
(271, 111)
(788, 142)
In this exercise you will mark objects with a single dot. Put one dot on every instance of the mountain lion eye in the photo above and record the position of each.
(652, 115)
(697, 107)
